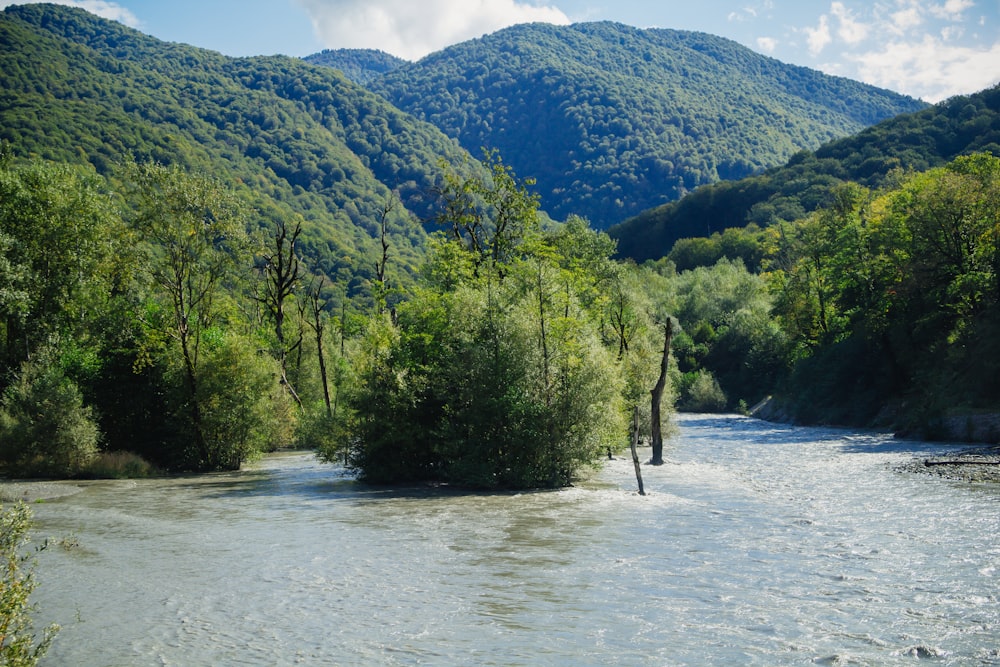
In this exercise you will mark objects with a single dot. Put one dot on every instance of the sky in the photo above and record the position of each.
(929, 49)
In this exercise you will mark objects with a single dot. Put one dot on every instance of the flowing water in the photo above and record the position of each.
(757, 544)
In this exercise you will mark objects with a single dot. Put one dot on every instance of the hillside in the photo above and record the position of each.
(613, 120)
(913, 142)
(361, 66)
(297, 139)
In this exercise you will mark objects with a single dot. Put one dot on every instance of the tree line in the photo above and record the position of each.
(878, 307)
(147, 319)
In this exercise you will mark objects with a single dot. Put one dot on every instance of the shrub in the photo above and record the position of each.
(17, 639)
(118, 465)
(704, 394)
(45, 429)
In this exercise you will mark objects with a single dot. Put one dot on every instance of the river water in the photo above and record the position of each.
(757, 544)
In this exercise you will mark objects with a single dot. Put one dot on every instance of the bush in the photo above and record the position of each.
(704, 393)
(45, 429)
(118, 465)
(17, 640)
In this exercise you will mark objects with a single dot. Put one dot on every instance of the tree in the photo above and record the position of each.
(281, 276)
(62, 252)
(656, 394)
(495, 375)
(196, 236)
(489, 215)
(45, 429)
(18, 645)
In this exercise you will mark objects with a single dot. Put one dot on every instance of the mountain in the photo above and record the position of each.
(361, 66)
(613, 120)
(295, 138)
(915, 142)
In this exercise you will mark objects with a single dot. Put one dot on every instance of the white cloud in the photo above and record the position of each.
(929, 69)
(102, 8)
(951, 10)
(851, 30)
(905, 20)
(819, 37)
(767, 44)
(412, 29)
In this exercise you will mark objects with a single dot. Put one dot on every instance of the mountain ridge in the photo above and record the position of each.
(612, 120)
(910, 142)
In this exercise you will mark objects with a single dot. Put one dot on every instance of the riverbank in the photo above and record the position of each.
(979, 465)
(32, 491)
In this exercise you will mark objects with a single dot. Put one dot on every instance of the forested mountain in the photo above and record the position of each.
(912, 142)
(298, 139)
(359, 65)
(612, 120)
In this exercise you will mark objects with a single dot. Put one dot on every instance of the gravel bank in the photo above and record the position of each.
(32, 491)
(980, 465)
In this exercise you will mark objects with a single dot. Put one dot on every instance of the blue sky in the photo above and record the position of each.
(931, 49)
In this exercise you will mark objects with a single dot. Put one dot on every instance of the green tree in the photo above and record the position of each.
(45, 429)
(489, 213)
(62, 251)
(496, 375)
(196, 241)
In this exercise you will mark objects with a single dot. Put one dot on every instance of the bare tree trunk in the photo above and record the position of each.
(382, 289)
(635, 444)
(657, 395)
(281, 275)
(317, 326)
(191, 379)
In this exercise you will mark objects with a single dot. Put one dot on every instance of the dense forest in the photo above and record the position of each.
(909, 142)
(301, 141)
(612, 120)
(362, 66)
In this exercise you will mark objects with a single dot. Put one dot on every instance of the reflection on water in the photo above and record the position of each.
(757, 544)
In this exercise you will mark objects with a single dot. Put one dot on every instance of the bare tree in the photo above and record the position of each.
(657, 394)
(316, 304)
(281, 272)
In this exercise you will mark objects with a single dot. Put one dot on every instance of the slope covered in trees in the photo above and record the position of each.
(300, 140)
(359, 65)
(613, 120)
(910, 142)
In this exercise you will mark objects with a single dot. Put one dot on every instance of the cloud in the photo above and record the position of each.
(951, 10)
(107, 10)
(411, 29)
(767, 44)
(819, 37)
(850, 30)
(929, 69)
(905, 20)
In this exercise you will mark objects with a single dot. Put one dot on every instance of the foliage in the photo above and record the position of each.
(45, 429)
(891, 296)
(501, 378)
(702, 393)
(290, 137)
(612, 120)
(244, 410)
(362, 66)
(874, 157)
(18, 647)
(118, 465)
(61, 253)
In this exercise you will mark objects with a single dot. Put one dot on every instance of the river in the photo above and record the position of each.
(757, 544)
